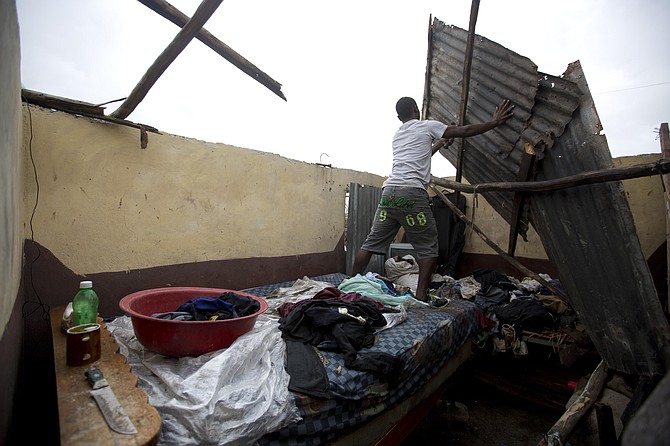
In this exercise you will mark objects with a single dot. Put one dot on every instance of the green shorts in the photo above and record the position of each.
(409, 208)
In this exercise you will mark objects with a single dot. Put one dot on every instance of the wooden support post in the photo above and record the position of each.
(665, 149)
(566, 424)
(465, 89)
(524, 174)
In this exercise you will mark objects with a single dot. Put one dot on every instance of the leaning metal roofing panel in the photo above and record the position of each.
(543, 106)
(589, 235)
(587, 231)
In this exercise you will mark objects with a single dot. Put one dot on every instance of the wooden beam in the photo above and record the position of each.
(83, 109)
(180, 19)
(560, 431)
(202, 14)
(514, 262)
(665, 150)
(60, 103)
(524, 174)
(662, 166)
(465, 90)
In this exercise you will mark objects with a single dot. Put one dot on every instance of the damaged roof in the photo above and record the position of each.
(588, 231)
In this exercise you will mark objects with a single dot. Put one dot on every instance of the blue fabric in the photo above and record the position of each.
(228, 305)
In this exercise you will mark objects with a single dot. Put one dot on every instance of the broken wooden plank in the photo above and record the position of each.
(77, 108)
(180, 19)
(525, 174)
(63, 104)
(560, 431)
(201, 15)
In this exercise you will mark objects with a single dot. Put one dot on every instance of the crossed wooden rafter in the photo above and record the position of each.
(190, 28)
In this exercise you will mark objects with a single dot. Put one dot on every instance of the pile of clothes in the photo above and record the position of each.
(509, 307)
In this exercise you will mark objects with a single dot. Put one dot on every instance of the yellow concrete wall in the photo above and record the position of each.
(105, 204)
(647, 203)
(497, 230)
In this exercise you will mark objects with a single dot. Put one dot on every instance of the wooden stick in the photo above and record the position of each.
(665, 150)
(566, 424)
(465, 88)
(525, 173)
(662, 166)
(202, 14)
(514, 262)
(180, 19)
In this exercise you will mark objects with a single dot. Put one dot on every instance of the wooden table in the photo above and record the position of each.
(81, 422)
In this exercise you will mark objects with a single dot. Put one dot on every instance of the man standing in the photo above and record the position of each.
(405, 202)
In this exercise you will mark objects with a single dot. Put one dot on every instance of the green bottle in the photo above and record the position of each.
(85, 305)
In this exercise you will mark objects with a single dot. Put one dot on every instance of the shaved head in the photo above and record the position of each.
(406, 107)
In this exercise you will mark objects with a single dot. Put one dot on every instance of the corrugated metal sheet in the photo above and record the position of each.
(543, 106)
(588, 231)
(589, 234)
(363, 202)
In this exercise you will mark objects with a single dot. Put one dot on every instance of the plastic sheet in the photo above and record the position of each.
(232, 396)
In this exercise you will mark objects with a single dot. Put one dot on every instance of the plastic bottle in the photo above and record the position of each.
(85, 305)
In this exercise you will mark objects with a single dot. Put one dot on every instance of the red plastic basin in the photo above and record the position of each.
(183, 338)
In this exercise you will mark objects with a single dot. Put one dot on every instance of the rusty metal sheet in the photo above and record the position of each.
(543, 106)
(363, 200)
(590, 237)
(588, 231)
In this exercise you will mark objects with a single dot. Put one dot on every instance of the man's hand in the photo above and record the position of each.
(503, 112)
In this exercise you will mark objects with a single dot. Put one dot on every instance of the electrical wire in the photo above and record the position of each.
(40, 304)
(633, 88)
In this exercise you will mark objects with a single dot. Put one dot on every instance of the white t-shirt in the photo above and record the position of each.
(412, 152)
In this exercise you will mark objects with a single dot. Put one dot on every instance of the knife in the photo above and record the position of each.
(110, 407)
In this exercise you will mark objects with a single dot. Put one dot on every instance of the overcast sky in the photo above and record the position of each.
(342, 66)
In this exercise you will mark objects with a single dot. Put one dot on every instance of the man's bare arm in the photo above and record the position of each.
(502, 113)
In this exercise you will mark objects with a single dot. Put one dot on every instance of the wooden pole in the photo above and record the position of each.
(180, 19)
(560, 431)
(465, 90)
(662, 166)
(202, 14)
(525, 174)
(514, 262)
(665, 149)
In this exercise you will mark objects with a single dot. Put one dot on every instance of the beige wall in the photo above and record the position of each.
(647, 203)
(497, 230)
(105, 204)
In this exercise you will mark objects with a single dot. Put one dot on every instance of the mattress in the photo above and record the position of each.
(241, 395)
(425, 341)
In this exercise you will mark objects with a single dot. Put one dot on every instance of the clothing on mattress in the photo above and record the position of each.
(338, 322)
(216, 398)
